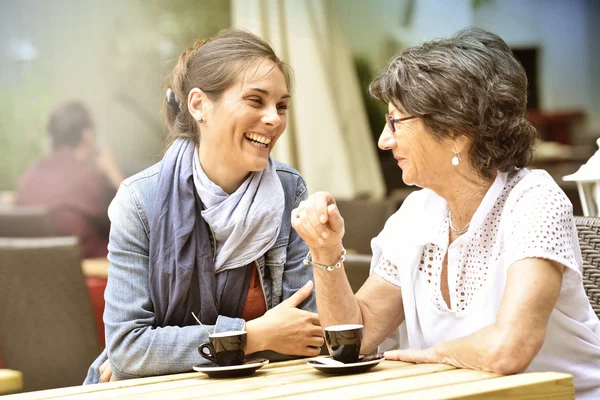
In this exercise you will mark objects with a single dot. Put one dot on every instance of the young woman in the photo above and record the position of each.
(207, 230)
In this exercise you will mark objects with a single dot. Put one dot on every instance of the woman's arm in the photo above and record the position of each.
(135, 347)
(377, 305)
(509, 345)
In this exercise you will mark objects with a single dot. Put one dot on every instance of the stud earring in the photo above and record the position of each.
(200, 120)
(455, 159)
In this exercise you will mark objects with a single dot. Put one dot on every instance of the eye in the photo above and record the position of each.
(282, 106)
(256, 100)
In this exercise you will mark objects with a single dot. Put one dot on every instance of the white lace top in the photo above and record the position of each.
(523, 215)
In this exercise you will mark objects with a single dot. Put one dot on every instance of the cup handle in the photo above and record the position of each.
(210, 355)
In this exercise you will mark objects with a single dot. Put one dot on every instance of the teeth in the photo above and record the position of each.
(258, 138)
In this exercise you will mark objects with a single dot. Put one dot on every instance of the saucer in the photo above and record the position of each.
(350, 368)
(233, 371)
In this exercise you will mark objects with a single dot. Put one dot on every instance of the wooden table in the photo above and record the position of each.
(95, 267)
(10, 381)
(296, 379)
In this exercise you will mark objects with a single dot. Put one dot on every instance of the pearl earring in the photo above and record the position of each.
(200, 120)
(455, 160)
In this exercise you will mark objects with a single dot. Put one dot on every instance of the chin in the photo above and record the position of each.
(258, 165)
(409, 180)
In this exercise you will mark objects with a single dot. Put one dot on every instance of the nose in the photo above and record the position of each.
(271, 117)
(387, 140)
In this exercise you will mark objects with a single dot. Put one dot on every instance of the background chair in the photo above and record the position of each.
(26, 222)
(47, 328)
(364, 219)
(588, 229)
(357, 269)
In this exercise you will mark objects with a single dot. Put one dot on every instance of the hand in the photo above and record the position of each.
(106, 162)
(287, 329)
(106, 374)
(318, 221)
(427, 356)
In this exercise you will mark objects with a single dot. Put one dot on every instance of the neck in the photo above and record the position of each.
(227, 178)
(78, 152)
(464, 194)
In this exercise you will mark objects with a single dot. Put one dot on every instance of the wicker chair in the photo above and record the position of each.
(47, 328)
(26, 222)
(588, 229)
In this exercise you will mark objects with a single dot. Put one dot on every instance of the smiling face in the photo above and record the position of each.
(425, 162)
(240, 129)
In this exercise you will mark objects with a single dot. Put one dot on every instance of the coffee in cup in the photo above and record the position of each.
(344, 341)
(225, 348)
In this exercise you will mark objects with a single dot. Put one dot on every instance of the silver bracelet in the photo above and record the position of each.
(308, 261)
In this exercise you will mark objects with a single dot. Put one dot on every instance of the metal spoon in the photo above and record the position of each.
(196, 318)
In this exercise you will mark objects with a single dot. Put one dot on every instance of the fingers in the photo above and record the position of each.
(336, 222)
(307, 218)
(314, 319)
(103, 366)
(106, 375)
(309, 351)
(316, 341)
(408, 355)
(300, 295)
(113, 378)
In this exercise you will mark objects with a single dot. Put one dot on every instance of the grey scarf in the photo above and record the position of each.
(245, 223)
(181, 266)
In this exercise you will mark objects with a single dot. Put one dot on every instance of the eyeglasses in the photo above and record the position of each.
(391, 121)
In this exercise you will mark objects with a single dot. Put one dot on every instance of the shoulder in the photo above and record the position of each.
(145, 177)
(284, 171)
(530, 188)
(417, 206)
(418, 215)
(291, 180)
(136, 194)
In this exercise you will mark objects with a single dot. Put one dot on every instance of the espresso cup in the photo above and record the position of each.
(344, 342)
(225, 348)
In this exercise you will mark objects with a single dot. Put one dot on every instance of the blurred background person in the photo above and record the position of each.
(76, 181)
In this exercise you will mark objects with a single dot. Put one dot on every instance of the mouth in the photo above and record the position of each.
(400, 159)
(258, 140)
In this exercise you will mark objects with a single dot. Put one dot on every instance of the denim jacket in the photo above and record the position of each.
(134, 347)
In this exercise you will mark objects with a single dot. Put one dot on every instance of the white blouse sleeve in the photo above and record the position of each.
(387, 255)
(541, 225)
(387, 270)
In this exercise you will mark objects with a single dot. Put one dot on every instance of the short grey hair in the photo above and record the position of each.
(470, 85)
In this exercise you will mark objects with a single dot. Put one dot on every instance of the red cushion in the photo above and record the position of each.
(96, 288)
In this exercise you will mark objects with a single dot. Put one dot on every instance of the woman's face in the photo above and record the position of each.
(424, 161)
(241, 128)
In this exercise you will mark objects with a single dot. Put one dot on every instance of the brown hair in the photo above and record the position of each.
(212, 65)
(470, 85)
(67, 123)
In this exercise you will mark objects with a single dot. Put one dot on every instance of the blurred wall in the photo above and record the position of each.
(112, 54)
(75, 43)
(566, 31)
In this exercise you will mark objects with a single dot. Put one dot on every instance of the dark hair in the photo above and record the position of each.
(67, 123)
(471, 85)
(212, 65)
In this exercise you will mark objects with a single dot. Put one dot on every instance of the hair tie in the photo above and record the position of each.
(172, 100)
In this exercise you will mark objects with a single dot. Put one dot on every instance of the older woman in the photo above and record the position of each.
(481, 268)
(207, 230)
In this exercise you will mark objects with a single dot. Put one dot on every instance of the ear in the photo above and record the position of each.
(461, 144)
(88, 137)
(198, 103)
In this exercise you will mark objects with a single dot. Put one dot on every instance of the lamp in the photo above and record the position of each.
(587, 178)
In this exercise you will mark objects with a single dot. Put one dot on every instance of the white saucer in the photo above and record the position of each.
(247, 368)
(350, 368)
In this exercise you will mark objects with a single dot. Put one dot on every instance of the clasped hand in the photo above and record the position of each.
(319, 222)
